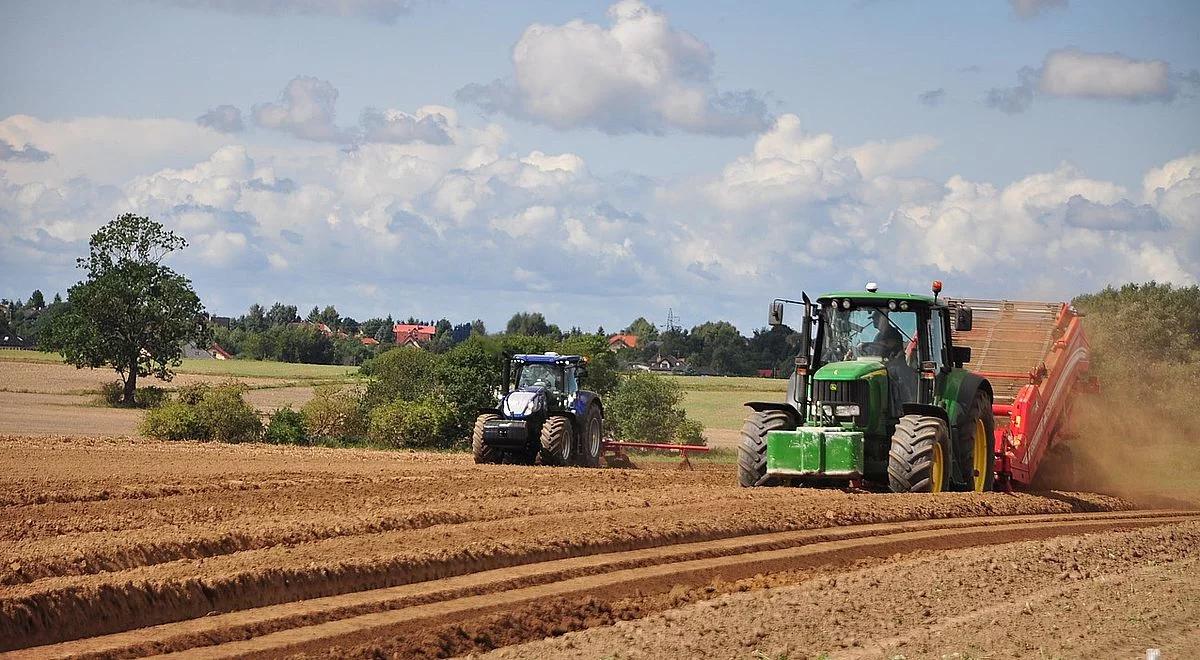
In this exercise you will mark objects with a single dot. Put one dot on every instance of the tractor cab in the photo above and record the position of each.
(869, 360)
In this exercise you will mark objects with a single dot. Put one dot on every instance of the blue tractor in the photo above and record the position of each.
(544, 417)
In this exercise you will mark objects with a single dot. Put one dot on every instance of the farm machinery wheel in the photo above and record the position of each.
(976, 447)
(752, 453)
(591, 439)
(557, 442)
(480, 449)
(919, 459)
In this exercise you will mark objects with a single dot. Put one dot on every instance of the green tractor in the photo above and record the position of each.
(878, 399)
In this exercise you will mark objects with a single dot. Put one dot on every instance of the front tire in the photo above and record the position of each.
(918, 460)
(590, 439)
(752, 453)
(977, 446)
(556, 442)
(479, 448)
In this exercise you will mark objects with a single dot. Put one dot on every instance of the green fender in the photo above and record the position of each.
(959, 390)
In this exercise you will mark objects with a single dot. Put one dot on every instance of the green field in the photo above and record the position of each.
(723, 409)
(730, 384)
(233, 368)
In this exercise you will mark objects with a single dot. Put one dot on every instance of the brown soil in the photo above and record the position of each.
(100, 536)
(1106, 595)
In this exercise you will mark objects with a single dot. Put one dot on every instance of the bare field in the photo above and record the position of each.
(50, 398)
(102, 536)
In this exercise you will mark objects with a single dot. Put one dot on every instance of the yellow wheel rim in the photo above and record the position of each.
(936, 470)
(980, 456)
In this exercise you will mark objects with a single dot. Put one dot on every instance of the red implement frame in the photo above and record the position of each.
(618, 450)
(1035, 356)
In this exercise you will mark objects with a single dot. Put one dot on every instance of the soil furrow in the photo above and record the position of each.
(415, 622)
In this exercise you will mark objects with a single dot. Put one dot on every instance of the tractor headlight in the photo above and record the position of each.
(846, 411)
(828, 410)
(846, 304)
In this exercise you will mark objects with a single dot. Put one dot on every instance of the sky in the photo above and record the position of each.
(600, 161)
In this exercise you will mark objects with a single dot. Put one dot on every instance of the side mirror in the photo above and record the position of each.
(960, 355)
(775, 316)
(963, 318)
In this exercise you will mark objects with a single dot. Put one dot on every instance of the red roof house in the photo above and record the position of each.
(413, 335)
(617, 342)
(369, 341)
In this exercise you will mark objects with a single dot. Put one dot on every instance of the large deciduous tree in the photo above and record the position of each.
(131, 312)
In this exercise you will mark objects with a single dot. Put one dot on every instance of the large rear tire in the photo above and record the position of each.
(918, 460)
(557, 442)
(752, 453)
(479, 448)
(590, 439)
(976, 448)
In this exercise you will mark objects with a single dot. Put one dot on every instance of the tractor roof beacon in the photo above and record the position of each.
(543, 415)
(879, 395)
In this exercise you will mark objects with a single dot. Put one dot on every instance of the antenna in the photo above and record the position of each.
(672, 319)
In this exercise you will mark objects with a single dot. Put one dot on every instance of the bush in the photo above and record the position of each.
(174, 420)
(192, 394)
(402, 374)
(403, 424)
(334, 414)
(228, 416)
(286, 427)
(201, 412)
(649, 408)
(690, 432)
(146, 397)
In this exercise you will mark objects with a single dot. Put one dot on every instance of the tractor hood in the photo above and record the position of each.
(524, 402)
(850, 370)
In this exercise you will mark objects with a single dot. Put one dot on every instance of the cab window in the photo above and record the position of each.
(937, 338)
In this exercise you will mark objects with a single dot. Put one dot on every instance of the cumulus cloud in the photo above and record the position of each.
(1072, 73)
(384, 11)
(638, 75)
(1032, 8)
(475, 228)
(402, 128)
(306, 109)
(25, 154)
(1123, 215)
(932, 98)
(223, 118)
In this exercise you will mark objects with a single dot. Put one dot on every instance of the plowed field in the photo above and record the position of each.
(117, 548)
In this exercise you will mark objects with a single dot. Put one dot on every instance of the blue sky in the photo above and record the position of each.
(617, 160)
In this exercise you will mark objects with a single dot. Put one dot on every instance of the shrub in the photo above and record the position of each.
(649, 408)
(334, 413)
(468, 380)
(192, 394)
(690, 432)
(204, 413)
(402, 374)
(146, 397)
(174, 420)
(409, 423)
(228, 416)
(286, 427)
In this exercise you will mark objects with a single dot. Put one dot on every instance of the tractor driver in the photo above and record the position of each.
(902, 378)
(539, 375)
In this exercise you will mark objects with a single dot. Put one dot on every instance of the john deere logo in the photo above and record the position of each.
(833, 388)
